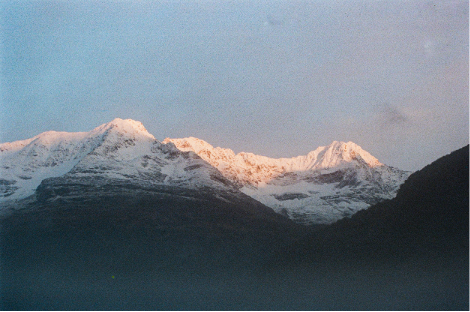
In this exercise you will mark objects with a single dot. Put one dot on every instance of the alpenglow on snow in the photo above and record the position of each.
(323, 186)
(327, 184)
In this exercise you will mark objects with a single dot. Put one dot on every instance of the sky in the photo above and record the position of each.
(275, 78)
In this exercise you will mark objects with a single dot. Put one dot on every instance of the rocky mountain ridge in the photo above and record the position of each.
(119, 150)
(327, 184)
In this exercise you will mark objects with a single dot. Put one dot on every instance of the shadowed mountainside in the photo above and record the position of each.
(411, 252)
(122, 247)
(428, 216)
(117, 240)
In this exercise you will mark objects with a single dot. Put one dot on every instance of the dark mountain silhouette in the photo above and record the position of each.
(429, 216)
(411, 252)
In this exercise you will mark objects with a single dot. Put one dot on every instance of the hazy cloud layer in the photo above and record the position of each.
(275, 78)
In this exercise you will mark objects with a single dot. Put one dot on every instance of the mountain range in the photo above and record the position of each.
(113, 219)
(327, 184)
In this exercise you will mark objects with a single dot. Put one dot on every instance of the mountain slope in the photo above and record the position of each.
(428, 217)
(407, 253)
(122, 216)
(327, 184)
(118, 162)
(119, 150)
(111, 245)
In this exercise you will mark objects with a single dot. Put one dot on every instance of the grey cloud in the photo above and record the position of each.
(390, 115)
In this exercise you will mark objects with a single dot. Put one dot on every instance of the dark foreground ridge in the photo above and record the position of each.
(117, 247)
(411, 252)
(429, 217)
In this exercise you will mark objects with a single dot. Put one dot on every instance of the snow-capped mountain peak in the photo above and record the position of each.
(119, 150)
(249, 168)
(196, 145)
(323, 186)
(339, 152)
(125, 126)
(327, 184)
(46, 139)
